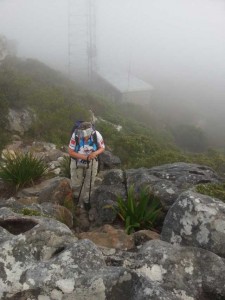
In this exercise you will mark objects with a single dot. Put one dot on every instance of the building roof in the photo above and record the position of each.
(125, 83)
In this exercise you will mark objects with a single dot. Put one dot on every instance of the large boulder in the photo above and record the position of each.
(109, 161)
(55, 190)
(30, 206)
(170, 180)
(196, 220)
(182, 271)
(40, 259)
(20, 120)
(104, 197)
(43, 235)
(174, 272)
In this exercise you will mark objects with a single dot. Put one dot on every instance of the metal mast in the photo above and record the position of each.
(82, 50)
(91, 47)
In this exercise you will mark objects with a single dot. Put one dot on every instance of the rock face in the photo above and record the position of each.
(104, 197)
(109, 161)
(20, 120)
(42, 259)
(167, 182)
(55, 190)
(170, 180)
(196, 220)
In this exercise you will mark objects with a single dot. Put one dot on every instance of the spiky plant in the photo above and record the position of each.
(139, 212)
(22, 169)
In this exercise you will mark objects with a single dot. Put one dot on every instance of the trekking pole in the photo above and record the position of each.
(84, 175)
(78, 199)
(89, 197)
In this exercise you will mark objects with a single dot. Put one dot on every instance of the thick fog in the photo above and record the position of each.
(178, 46)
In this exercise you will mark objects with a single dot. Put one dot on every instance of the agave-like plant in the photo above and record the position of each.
(139, 212)
(22, 169)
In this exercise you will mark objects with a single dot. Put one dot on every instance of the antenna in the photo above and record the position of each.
(91, 47)
(82, 50)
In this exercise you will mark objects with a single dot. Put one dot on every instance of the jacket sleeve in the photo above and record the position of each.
(72, 143)
(100, 140)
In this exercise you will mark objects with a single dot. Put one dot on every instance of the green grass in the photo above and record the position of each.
(212, 190)
(22, 169)
(30, 212)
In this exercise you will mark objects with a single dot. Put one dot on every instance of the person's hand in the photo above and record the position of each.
(92, 156)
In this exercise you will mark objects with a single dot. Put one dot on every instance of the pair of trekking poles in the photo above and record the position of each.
(87, 205)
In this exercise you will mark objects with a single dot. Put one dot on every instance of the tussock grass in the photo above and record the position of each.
(22, 169)
(140, 212)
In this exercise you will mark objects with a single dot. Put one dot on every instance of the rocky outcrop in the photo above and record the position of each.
(109, 161)
(20, 120)
(170, 180)
(55, 190)
(42, 259)
(104, 197)
(196, 220)
(166, 182)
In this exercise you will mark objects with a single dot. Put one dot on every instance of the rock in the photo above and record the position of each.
(113, 177)
(109, 161)
(196, 220)
(38, 146)
(168, 181)
(20, 120)
(30, 206)
(172, 272)
(15, 146)
(104, 201)
(70, 271)
(55, 190)
(41, 258)
(182, 271)
(142, 236)
(82, 220)
(107, 236)
(39, 235)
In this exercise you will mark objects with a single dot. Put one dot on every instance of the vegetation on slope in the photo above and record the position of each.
(144, 141)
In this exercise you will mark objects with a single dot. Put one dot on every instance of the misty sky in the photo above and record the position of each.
(176, 45)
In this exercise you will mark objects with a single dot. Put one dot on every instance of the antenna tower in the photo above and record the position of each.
(82, 50)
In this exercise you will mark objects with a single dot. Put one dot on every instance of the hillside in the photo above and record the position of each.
(57, 102)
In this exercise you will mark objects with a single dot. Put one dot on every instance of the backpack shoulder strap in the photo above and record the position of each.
(95, 140)
(77, 140)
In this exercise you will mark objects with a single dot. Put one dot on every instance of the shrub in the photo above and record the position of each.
(139, 212)
(21, 169)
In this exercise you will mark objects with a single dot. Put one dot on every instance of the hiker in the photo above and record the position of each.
(85, 145)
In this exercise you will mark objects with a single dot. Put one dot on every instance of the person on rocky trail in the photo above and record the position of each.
(85, 145)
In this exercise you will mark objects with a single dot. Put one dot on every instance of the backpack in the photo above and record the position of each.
(76, 126)
(94, 141)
